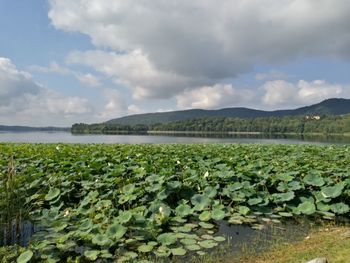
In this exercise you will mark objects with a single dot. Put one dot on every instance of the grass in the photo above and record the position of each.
(328, 242)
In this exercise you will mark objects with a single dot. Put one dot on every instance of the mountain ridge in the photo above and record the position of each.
(333, 106)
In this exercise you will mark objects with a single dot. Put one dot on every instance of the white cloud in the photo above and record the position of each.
(85, 78)
(165, 47)
(133, 70)
(283, 93)
(213, 97)
(25, 102)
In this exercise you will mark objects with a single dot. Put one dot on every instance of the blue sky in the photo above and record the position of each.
(65, 61)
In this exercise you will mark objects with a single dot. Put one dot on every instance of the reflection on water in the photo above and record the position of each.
(66, 137)
(243, 238)
(17, 233)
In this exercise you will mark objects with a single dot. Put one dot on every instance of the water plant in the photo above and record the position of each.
(145, 202)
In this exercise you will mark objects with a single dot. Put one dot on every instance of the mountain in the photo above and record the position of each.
(326, 107)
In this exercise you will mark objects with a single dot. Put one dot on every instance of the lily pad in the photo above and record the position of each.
(116, 231)
(307, 208)
(145, 248)
(313, 179)
(52, 194)
(340, 208)
(167, 239)
(91, 254)
(25, 257)
(332, 191)
(200, 202)
(179, 251)
(205, 216)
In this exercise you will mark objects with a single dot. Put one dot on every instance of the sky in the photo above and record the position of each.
(64, 61)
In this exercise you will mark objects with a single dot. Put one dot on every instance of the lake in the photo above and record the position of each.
(66, 137)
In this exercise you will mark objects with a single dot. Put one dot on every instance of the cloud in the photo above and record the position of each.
(213, 97)
(283, 93)
(271, 75)
(172, 46)
(133, 70)
(116, 105)
(85, 78)
(25, 102)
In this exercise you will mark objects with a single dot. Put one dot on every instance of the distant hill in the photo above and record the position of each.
(30, 129)
(327, 107)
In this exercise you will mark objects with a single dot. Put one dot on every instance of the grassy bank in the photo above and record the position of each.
(328, 242)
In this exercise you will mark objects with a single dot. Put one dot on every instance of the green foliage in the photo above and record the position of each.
(268, 125)
(134, 202)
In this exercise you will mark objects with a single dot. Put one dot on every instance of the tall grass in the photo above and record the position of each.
(11, 205)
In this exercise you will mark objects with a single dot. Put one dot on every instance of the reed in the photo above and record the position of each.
(11, 205)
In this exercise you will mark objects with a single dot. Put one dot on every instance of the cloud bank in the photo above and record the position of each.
(24, 101)
(164, 48)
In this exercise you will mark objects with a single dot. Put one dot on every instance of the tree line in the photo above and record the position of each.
(292, 124)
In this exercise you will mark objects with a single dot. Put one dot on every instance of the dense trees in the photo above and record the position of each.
(300, 125)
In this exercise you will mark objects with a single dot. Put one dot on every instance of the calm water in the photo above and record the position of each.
(66, 137)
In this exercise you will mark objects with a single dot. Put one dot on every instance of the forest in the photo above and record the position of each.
(291, 124)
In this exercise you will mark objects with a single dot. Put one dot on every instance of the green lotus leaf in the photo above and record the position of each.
(25, 257)
(255, 201)
(162, 251)
(332, 191)
(86, 225)
(207, 237)
(210, 192)
(323, 207)
(52, 194)
(188, 241)
(206, 225)
(116, 231)
(285, 214)
(124, 217)
(219, 238)
(340, 208)
(91, 254)
(200, 202)
(313, 179)
(205, 216)
(101, 240)
(179, 251)
(174, 184)
(283, 197)
(145, 248)
(105, 254)
(131, 255)
(207, 244)
(284, 177)
(183, 210)
(243, 210)
(167, 239)
(218, 214)
(184, 229)
(307, 208)
(201, 253)
(129, 189)
(193, 247)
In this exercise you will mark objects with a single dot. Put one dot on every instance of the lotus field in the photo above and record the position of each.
(146, 203)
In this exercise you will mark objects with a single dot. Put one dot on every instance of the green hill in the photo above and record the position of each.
(327, 107)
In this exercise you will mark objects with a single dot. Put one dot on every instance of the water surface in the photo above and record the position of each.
(66, 137)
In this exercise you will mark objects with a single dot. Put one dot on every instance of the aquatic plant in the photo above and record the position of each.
(142, 202)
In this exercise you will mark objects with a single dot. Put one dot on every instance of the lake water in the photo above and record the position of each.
(66, 137)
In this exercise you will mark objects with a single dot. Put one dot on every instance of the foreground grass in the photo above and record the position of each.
(328, 242)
